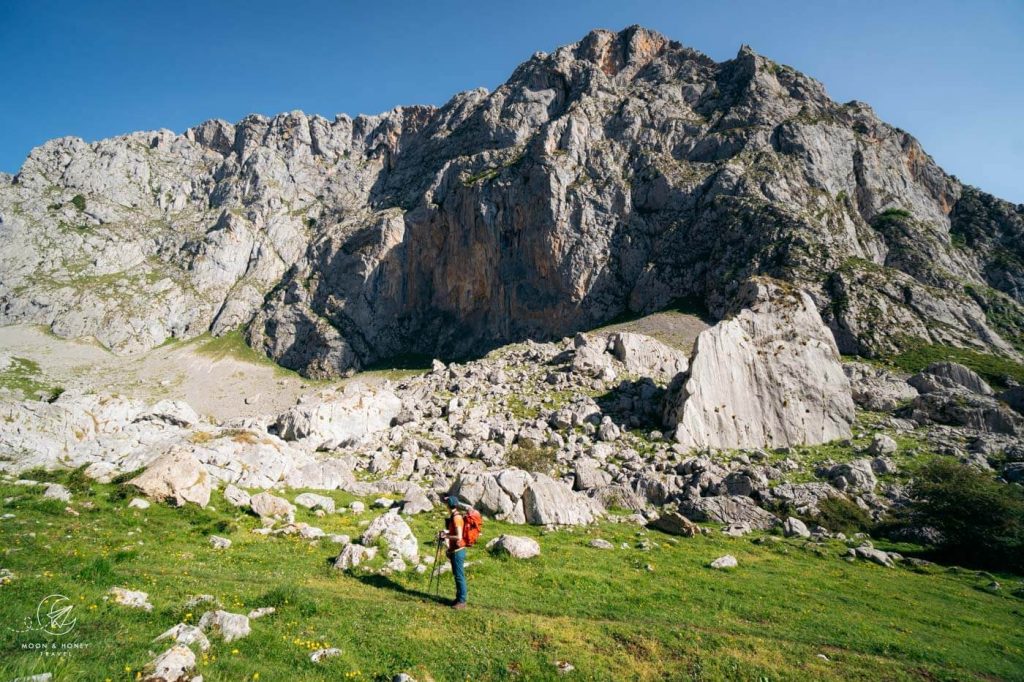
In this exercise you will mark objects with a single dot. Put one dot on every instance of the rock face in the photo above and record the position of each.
(614, 175)
(768, 377)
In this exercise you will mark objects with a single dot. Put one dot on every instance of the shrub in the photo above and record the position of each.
(840, 514)
(78, 202)
(979, 519)
(538, 460)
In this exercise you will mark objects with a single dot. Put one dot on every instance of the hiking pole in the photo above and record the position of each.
(437, 569)
(434, 568)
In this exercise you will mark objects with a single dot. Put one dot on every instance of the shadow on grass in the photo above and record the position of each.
(386, 583)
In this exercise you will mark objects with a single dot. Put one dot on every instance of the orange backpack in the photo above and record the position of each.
(472, 526)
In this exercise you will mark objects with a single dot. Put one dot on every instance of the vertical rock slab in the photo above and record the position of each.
(768, 377)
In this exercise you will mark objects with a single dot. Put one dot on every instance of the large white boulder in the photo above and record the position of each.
(228, 626)
(339, 418)
(515, 546)
(769, 377)
(174, 665)
(176, 476)
(547, 501)
(268, 506)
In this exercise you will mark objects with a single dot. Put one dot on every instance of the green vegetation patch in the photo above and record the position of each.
(917, 355)
(232, 345)
(24, 375)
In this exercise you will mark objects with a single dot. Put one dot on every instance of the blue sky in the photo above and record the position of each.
(951, 73)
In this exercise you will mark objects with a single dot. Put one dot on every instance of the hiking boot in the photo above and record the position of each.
(459, 605)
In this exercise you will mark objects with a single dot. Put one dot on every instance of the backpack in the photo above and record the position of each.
(472, 526)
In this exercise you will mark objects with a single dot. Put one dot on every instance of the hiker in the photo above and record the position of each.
(456, 549)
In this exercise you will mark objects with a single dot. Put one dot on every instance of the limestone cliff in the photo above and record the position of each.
(618, 174)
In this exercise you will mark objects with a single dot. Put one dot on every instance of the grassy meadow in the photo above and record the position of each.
(650, 609)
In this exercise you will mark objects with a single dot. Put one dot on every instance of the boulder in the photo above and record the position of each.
(876, 555)
(588, 474)
(647, 357)
(314, 501)
(262, 612)
(352, 555)
(339, 418)
(805, 497)
(236, 496)
(769, 377)
(138, 503)
(415, 501)
(486, 493)
(217, 542)
(963, 408)
(515, 546)
(727, 510)
(132, 598)
(177, 477)
(227, 626)
(546, 501)
(874, 388)
(395, 533)
(599, 543)
(321, 655)
(1014, 472)
(188, 635)
(268, 506)
(949, 375)
(590, 358)
(174, 665)
(55, 491)
(722, 562)
(882, 445)
(795, 528)
(675, 523)
(855, 476)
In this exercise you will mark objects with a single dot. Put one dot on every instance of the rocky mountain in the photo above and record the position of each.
(621, 174)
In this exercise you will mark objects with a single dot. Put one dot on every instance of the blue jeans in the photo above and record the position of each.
(458, 560)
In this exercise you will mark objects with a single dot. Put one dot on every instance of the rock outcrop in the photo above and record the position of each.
(768, 377)
(615, 175)
(177, 477)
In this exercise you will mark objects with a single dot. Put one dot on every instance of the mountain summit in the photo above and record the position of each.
(617, 175)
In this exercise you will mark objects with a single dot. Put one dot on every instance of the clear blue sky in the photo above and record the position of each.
(952, 73)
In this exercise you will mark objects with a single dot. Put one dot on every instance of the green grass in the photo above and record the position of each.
(232, 345)
(600, 610)
(26, 376)
(994, 368)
